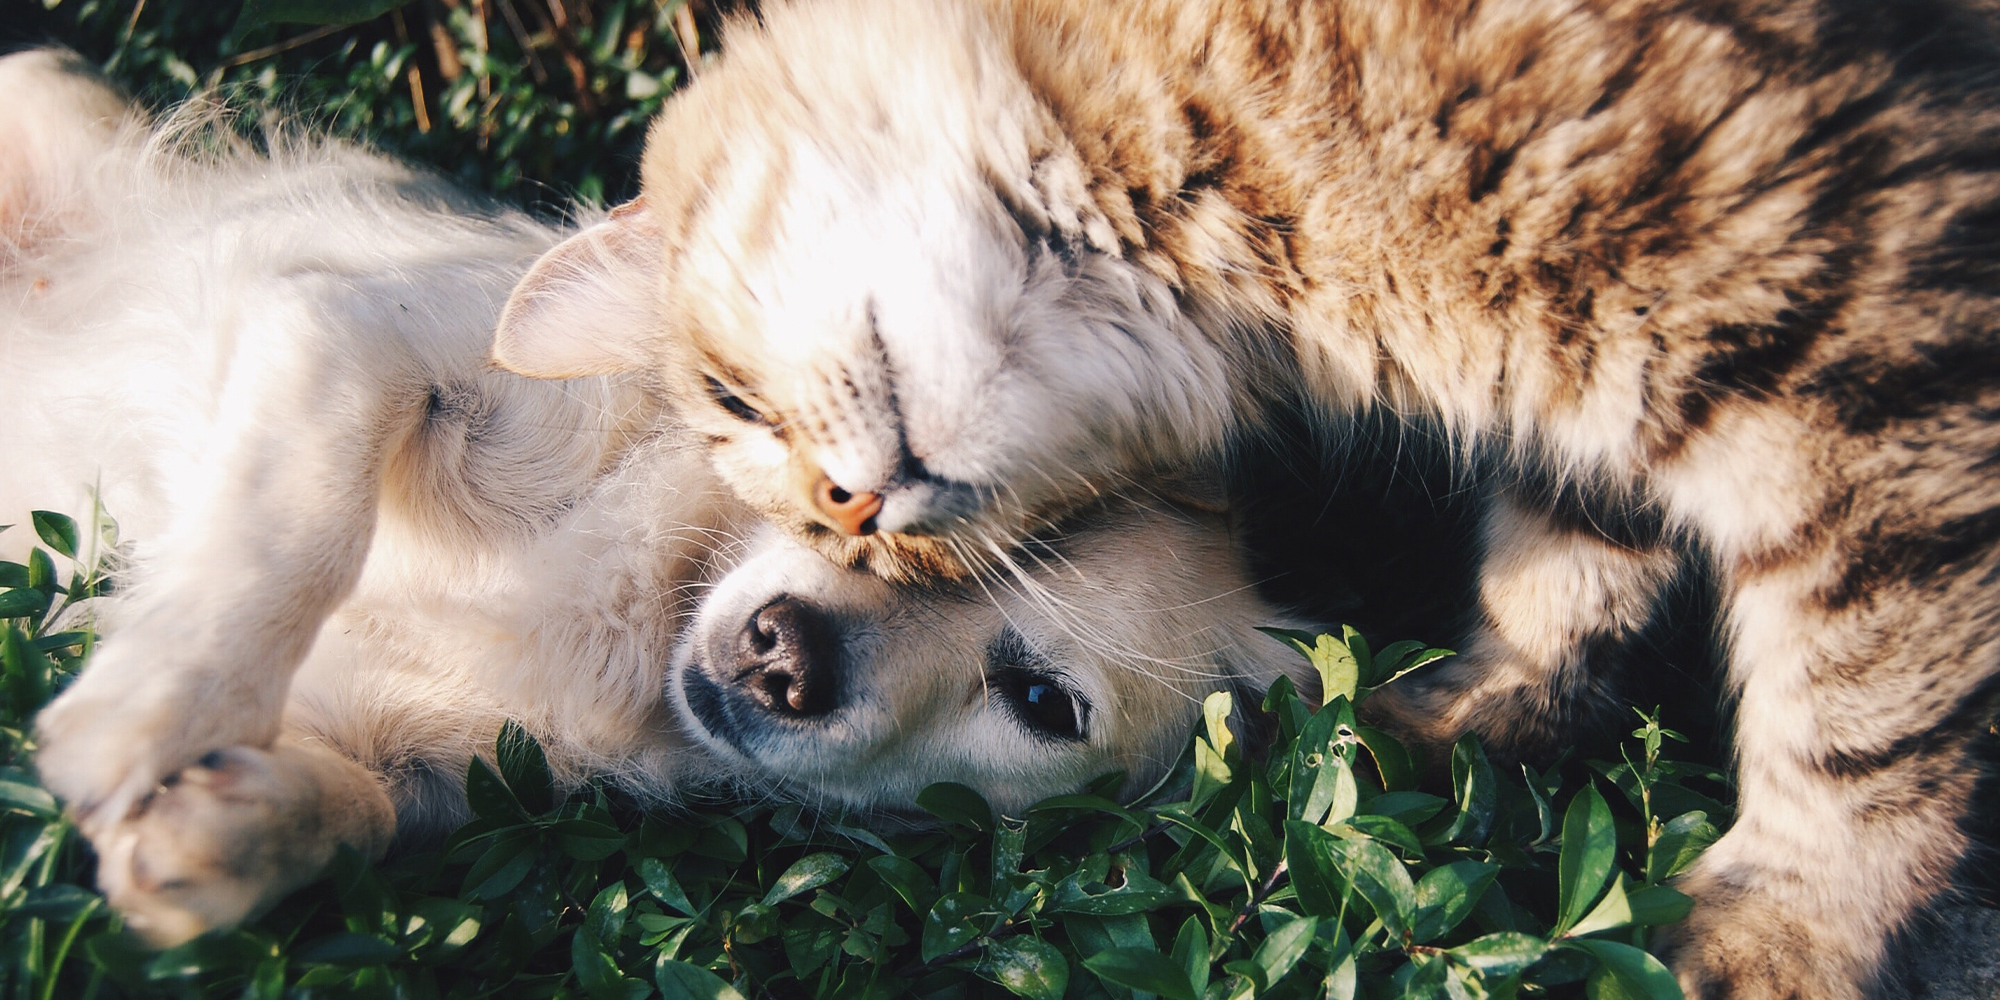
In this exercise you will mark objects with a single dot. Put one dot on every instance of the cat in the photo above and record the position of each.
(1703, 284)
(349, 550)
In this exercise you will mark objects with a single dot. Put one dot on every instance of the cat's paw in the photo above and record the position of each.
(1737, 945)
(124, 726)
(214, 844)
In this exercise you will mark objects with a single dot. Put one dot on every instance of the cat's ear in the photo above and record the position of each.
(590, 306)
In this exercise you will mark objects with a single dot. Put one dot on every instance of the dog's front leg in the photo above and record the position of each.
(222, 839)
(267, 535)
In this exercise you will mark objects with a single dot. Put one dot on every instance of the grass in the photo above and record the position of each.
(1322, 869)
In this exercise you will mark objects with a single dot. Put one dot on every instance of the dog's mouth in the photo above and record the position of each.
(706, 702)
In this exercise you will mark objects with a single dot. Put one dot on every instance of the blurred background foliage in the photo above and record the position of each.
(537, 101)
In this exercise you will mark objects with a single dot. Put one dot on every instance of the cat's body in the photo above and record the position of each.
(1709, 281)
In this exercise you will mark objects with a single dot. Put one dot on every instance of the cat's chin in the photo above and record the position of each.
(896, 556)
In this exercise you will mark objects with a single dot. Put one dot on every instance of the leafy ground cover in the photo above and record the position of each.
(1323, 868)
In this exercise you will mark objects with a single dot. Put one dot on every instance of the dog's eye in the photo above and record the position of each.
(734, 404)
(1049, 707)
(1019, 678)
(1042, 703)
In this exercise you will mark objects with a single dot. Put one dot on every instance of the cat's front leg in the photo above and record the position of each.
(267, 534)
(1556, 598)
(1857, 719)
(221, 840)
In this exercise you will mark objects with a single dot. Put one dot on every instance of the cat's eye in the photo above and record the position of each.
(733, 403)
(1037, 697)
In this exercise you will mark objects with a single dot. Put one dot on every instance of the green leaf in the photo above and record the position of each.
(349, 949)
(1388, 831)
(1658, 904)
(587, 839)
(1613, 911)
(682, 981)
(916, 886)
(1285, 941)
(1314, 858)
(525, 768)
(809, 872)
(1407, 808)
(1681, 841)
(1637, 973)
(42, 573)
(1215, 711)
(1343, 980)
(1589, 845)
(957, 804)
(1026, 967)
(447, 924)
(605, 919)
(661, 883)
(1476, 791)
(12, 574)
(23, 602)
(597, 971)
(501, 868)
(1381, 879)
(1139, 894)
(1141, 969)
(16, 792)
(57, 531)
(489, 796)
(950, 924)
(1392, 760)
(1446, 896)
(1339, 672)
(1191, 952)
(1503, 954)
(1315, 769)
(1422, 659)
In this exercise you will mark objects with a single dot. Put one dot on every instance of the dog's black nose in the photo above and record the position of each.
(788, 659)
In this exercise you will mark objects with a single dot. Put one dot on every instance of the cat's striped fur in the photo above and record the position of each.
(1713, 280)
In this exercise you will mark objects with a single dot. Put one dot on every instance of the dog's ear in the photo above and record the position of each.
(58, 118)
(589, 306)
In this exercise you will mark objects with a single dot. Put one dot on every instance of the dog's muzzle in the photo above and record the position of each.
(780, 670)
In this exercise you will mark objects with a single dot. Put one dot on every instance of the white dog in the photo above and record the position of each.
(353, 548)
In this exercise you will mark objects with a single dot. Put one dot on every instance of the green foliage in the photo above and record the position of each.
(1320, 870)
(531, 99)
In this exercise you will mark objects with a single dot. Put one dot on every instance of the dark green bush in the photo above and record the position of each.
(535, 100)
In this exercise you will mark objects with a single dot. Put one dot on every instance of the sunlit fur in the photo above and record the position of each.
(350, 549)
(1704, 282)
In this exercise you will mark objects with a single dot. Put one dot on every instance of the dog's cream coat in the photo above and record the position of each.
(352, 548)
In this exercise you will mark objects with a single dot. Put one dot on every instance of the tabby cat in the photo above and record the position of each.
(1711, 280)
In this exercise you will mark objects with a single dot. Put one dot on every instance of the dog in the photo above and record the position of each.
(349, 549)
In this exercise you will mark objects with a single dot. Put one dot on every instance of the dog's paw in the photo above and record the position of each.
(216, 843)
(122, 728)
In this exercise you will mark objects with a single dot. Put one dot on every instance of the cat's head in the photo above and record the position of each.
(867, 268)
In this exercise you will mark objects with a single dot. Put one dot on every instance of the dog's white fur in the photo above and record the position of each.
(352, 548)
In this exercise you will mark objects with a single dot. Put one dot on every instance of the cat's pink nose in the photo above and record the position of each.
(853, 513)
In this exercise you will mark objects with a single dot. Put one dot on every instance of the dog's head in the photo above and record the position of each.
(1092, 655)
